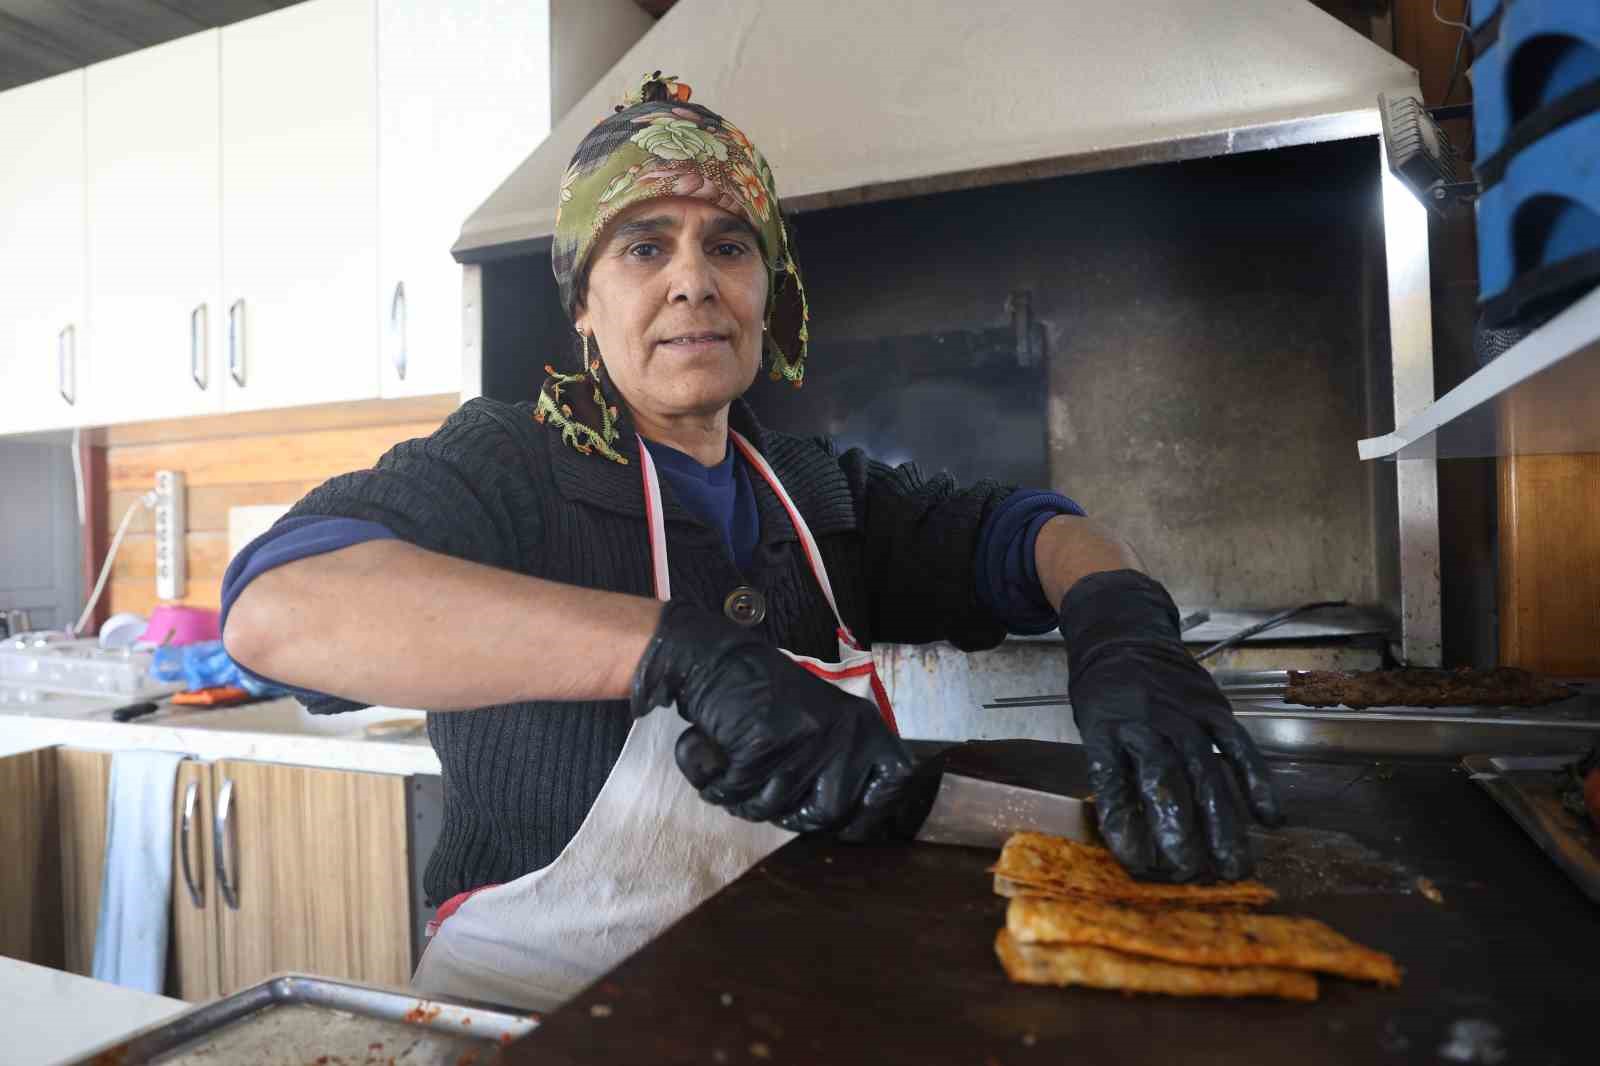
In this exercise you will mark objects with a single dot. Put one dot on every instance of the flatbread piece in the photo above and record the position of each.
(1197, 937)
(1096, 967)
(1043, 865)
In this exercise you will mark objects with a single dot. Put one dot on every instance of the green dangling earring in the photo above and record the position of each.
(787, 287)
(593, 426)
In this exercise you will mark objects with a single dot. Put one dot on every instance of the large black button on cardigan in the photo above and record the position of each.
(493, 486)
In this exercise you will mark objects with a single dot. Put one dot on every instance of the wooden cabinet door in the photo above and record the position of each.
(195, 952)
(83, 783)
(299, 206)
(30, 875)
(155, 203)
(43, 343)
(463, 97)
(316, 861)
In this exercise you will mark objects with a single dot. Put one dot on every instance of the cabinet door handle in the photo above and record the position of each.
(67, 365)
(199, 357)
(236, 341)
(220, 841)
(397, 329)
(190, 795)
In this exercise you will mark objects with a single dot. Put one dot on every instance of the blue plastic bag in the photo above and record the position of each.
(206, 665)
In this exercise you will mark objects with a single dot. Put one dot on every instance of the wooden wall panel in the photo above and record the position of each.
(208, 504)
(1550, 563)
(279, 420)
(273, 461)
(208, 554)
(310, 455)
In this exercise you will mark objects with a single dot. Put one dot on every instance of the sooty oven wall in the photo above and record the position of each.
(1209, 328)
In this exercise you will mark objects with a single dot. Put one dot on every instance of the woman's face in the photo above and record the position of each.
(676, 294)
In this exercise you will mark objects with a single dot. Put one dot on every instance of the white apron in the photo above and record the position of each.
(649, 851)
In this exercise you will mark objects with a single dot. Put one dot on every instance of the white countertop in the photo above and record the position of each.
(273, 731)
(57, 1015)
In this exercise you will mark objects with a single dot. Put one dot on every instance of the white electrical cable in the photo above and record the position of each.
(1466, 10)
(77, 473)
(148, 500)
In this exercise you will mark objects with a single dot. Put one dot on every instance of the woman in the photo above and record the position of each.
(508, 573)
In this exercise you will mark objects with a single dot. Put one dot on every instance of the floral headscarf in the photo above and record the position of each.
(656, 145)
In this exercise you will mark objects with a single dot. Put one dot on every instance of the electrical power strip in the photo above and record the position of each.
(171, 575)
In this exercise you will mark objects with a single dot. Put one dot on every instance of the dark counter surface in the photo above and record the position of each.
(832, 954)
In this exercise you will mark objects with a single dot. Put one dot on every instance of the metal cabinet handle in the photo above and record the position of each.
(236, 341)
(199, 357)
(397, 329)
(190, 794)
(220, 841)
(67, 365)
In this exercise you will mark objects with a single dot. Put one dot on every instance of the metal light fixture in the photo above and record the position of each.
(1420, 155)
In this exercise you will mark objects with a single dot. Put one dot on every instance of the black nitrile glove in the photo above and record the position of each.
(1149, 715)
(769, 741)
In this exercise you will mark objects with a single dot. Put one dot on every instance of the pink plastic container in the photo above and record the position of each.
(189, 625)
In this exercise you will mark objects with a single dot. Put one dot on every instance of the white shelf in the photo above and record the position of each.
(1541, 397)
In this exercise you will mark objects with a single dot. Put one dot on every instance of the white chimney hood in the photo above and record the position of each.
(861, 100)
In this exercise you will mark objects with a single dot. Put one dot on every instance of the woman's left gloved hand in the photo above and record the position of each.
(1149, 715)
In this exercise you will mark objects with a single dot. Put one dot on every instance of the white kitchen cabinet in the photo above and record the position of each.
(261, 216)
(43, 344)
(464, 94)
(155, 202)
(299, 206)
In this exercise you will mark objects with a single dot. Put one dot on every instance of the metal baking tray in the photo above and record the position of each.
(1526, 786)
(1392, 732)
(298, 1019)
(1409, 732)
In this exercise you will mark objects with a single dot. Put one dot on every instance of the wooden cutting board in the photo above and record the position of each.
(832, 954)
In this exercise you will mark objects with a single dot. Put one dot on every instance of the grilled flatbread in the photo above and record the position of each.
(1095, 967)
(1201, 938)
(1004, 886)
(1041, 865)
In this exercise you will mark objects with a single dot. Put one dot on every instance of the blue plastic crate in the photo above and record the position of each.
(1539, 226)
(1546, 51)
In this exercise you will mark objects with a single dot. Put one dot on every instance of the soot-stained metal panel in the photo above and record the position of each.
(1208, 333)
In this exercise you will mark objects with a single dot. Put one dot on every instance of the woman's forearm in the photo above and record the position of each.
(386, 622)
(1070, 547)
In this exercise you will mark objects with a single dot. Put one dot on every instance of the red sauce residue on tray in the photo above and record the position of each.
(423, 1013)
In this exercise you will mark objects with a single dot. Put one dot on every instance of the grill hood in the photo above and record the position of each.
(854, 102)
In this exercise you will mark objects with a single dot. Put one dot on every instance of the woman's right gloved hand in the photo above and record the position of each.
(768, 740)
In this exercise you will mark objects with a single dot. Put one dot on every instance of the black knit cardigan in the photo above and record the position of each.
(493, 486)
